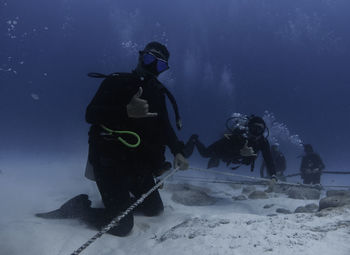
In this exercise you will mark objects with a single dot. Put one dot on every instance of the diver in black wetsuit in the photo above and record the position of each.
(240, 146)
(133, 102)
(311, 166)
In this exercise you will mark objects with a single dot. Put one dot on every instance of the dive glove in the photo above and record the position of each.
(180, 162)
(274, 178)
(272, 183)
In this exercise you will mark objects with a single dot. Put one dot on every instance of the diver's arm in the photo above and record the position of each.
(321, 164)
(284, 163)
(171, 138)
(303, 167)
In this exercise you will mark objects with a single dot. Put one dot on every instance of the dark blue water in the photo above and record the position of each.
(291, 58)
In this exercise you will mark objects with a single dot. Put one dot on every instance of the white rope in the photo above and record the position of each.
(335, 186)
(255, 178)
(117, 219)
(209, 180)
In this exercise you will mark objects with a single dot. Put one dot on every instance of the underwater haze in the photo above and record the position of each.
(288, 61)
(290, 58)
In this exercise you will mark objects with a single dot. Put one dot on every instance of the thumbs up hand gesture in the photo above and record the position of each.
(247, 151)
(138, 108)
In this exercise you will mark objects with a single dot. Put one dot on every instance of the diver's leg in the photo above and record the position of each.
(189, 146)
(116, 199)
(152, 205)
(98, 218)
(112, 175)
(316, 178)
(307, 180)
(203, 151)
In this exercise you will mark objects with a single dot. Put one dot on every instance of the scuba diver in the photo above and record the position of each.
(239, 146)
(311, 166)
(134, 103)
(279, 162)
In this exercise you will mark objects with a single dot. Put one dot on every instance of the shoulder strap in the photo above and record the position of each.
(175, 107)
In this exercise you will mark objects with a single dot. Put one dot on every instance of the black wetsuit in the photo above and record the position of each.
(311, 168)
(120, 170)
(228, 149)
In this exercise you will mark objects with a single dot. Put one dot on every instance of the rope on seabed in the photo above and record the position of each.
(117, 219)
(257, 178)
(208, 180)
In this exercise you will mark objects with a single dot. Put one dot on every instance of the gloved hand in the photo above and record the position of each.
(180, 162)
(138, 108)
(165, 167)
(271, 184)
(247, 151)
(274, 179)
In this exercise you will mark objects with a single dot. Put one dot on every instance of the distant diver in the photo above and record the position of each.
(123, 172)
(311, 166)
(239, 146)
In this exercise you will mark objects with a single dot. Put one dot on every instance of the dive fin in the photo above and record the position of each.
(73, 208)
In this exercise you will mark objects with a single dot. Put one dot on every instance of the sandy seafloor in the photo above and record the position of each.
(224, 227)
